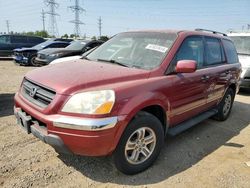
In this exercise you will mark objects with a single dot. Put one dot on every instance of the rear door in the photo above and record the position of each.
(189, 92)
(219, 72)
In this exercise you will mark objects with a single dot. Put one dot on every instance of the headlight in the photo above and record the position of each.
(93, 102)
(55, 55)
(244, 70)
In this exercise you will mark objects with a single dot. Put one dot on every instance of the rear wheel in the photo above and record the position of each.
(140, 144)
(225, 106)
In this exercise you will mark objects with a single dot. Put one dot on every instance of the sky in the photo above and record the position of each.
(125, 15)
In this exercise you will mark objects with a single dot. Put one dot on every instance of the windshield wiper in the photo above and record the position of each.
(243, 53)
(113, 61)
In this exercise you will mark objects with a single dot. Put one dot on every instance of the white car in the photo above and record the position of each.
(242, 44)
(64, 59)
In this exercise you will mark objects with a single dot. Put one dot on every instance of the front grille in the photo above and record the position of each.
(37, 94)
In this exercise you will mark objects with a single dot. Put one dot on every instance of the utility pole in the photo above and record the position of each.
(100, 26)
(53, 30)
(77, 9)
(8, 26)
(43, 19)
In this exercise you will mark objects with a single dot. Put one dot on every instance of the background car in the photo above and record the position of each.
(9, 42)
(242, 44)
(26, 56)
(46, 56)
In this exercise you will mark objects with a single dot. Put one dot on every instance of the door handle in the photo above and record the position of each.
(205, 77)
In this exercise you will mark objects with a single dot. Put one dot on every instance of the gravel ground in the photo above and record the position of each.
(211, 154)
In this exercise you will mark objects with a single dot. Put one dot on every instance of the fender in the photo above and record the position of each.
(136, 104)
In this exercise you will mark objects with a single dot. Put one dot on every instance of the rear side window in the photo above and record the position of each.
(18, 39)
(192, 49)
(214, 51)
(35, 40)
(230, 50)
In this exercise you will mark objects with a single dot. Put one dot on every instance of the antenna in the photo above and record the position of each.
(43, 19)
(8, 26)
(100, 26)
(53, 30)
(77, 9)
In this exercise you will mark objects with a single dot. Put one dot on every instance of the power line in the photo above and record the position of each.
(53, 30)
(77, 9)
(100, 26)
(43, 19)
(8, 26)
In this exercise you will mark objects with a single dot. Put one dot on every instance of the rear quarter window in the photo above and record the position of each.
(230, 51)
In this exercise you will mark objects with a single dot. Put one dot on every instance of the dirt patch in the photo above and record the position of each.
(211, 154)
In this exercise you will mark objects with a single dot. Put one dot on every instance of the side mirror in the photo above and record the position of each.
(185, 66)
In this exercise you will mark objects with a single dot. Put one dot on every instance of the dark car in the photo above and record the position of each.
(26, 56)
(46, 56)
(10, 42)
(124, 97)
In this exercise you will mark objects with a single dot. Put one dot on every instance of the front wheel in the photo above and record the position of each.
(225, 106)
(32, 61)
(140, 144)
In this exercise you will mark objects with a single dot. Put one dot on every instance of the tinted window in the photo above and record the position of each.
(18, 39)
(230, 50)
(35, 40)
(58, 45)
(5, 39)
(213, 52)
(192, 49)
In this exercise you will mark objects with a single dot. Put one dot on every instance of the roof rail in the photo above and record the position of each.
(214, 32)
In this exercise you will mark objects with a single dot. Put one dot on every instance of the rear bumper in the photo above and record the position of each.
(90, 136)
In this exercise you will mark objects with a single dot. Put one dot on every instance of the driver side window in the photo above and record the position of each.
(192, 49)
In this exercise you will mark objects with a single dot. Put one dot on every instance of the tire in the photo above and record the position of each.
(225, 106)
(32, 61)
(125, 157)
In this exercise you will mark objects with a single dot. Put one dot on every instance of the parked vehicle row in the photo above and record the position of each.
(10, 42)
(125, 96)
(27, 56)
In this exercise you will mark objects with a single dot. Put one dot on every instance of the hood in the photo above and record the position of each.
(72, 76)
(49, 51)
(24, 49)
(244, 60)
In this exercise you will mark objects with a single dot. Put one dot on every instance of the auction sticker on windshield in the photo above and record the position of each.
(155, 47)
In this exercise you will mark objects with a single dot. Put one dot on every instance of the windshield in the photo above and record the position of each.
(76, 45)
(144, 50)
(42, 45)
(242, 44)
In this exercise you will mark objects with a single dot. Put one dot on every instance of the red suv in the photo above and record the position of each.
(124, 97)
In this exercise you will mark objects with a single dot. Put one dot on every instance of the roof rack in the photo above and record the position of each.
(214, 32)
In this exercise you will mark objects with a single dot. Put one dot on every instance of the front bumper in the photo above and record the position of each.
(68, 134)
(45, 61)
(21, 60)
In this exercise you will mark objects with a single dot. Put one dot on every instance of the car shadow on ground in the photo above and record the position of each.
(244, 92)
(179, 153)
(6, 104)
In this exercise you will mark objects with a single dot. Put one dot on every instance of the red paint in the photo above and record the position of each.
(181, 95)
